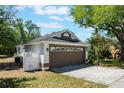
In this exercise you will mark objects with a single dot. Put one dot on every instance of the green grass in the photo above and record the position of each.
(39, 79)
(49, 80)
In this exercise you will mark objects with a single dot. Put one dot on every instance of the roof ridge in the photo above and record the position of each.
(55, 32)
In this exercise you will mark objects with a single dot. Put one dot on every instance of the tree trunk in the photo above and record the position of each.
(122, 52)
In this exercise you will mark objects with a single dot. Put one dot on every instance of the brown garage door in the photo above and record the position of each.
(65, 55)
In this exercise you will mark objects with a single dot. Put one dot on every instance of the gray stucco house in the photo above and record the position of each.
(57, 49)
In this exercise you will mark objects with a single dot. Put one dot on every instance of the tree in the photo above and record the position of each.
(7, 32)
(13, 30)
(103, 18)
(98, 46)
(32, 29)
(19, 25)
(27, 30)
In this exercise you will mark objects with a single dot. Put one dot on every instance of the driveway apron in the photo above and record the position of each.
(112, 77)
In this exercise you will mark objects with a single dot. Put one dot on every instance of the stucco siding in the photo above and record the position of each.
(34, 57)
(46, 52)
(36, 48)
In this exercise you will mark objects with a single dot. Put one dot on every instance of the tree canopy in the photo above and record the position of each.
(102, 18)
(7, 32)
(15, 31)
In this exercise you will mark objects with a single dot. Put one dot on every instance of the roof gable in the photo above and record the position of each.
(60, 36)
(66, 35)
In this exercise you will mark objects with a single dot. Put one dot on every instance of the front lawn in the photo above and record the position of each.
(13, 76)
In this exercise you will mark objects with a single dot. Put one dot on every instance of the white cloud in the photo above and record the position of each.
(38, 10)
(50, 10)
(22, 7)
(56, 18)
(64, 18)
(69, 18)
(46, 10)
(50, 25)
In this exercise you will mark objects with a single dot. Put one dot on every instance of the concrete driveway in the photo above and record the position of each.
(112, 77)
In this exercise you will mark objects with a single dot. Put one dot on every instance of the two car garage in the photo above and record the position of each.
(54, 50)
(60, 55)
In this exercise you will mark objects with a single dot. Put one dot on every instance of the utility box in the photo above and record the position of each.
(19, 60)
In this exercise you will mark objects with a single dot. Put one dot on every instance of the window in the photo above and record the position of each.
(66, 34)
(52, 49)
(65, 49)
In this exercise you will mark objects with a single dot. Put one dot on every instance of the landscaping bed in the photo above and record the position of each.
(112, 63)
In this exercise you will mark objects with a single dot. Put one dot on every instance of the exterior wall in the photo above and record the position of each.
(86, 53)
(31, 61)
(45, 63)
(36, 48)
(41, 52)
(33, 57)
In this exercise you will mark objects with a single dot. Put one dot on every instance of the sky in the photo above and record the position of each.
(52, 18)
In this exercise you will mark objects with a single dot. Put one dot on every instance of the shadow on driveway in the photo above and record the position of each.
(70, 68)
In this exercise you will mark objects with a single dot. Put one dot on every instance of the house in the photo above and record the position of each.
(57, 49)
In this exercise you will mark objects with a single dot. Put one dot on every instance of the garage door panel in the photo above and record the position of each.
(64, 58)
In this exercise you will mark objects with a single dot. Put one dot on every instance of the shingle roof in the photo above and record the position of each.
(50, 37)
